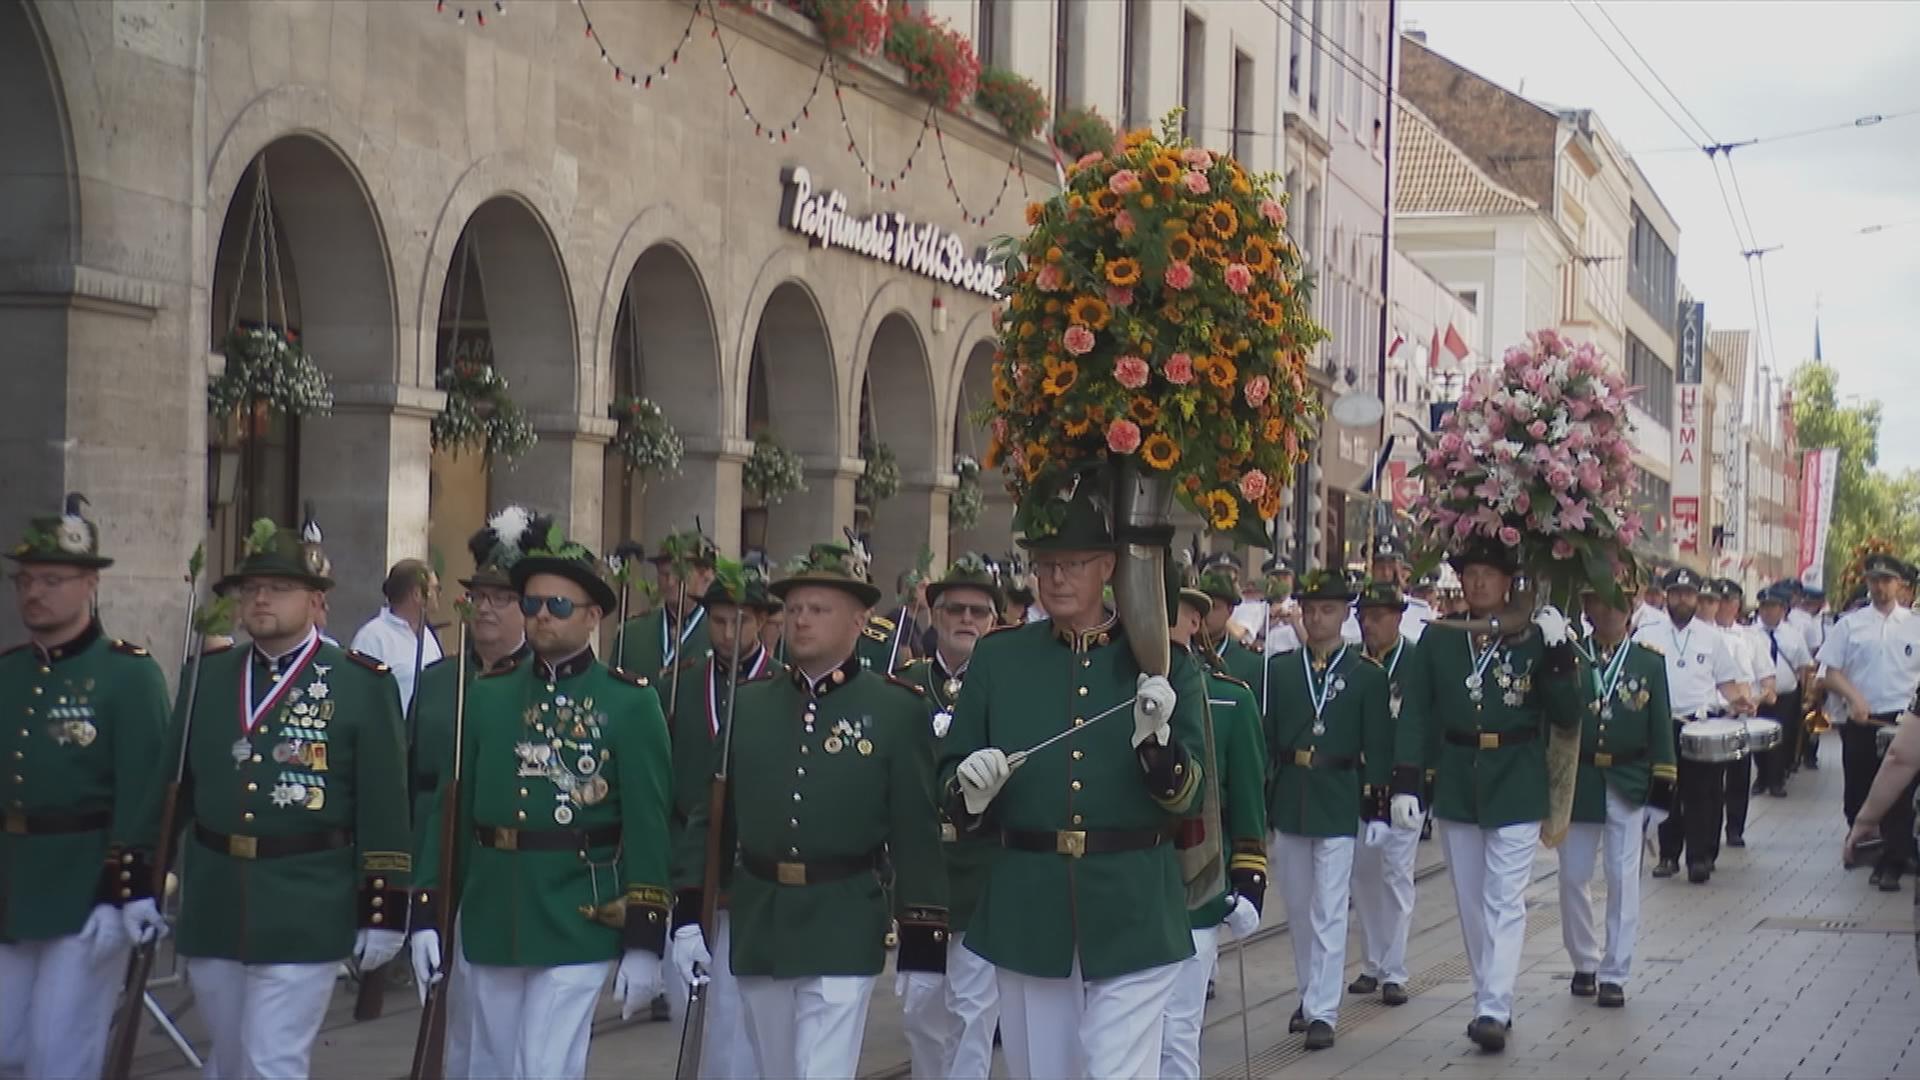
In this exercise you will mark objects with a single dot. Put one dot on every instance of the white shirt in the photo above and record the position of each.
(1741, 647)
(1788, 648)
(1250, 616)
(1698, 661)
(1811, 627)
(387, 637)
(1646, 615)
(1880, 655)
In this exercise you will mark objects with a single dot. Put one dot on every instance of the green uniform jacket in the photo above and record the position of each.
(645, 652)
(1634, 727)
(825, 776)
(574, 749)
(969, 858)
(1240, 763)
(1238, 661)
(326, 756)
(1524, 685)
(1311, 797)
(1118, 912)
(883, 640)
(84, 726)
(433, 735)
(695, 728)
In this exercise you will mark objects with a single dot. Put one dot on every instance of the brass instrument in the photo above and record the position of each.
(1815, 720)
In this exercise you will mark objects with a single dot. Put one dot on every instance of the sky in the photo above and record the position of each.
(1746, 70)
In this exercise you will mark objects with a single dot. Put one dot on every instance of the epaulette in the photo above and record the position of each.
(874, 633)
(443, 659)
(918, 690)
(127, 648)
(372, 664)
(1226, 678)
(1652, 648)
(881, 621)
(216, 650)
(628, 677)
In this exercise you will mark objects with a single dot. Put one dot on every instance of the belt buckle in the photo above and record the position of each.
(243, 847)
(1303, 758)
(506, 839)
(790, 873)
(1071, 843)
(948, 832)
(1602, 759)
(1489, 740)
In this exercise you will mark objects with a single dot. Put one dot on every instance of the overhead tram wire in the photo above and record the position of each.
(1865, 121)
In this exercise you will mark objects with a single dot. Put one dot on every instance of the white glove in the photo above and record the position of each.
(103, 934)
(1242, 918)
(1405, 811)
(372, 948)
(691, 960)
(637, 981)
(1552, 624)
(1376, 833)
(142, 921)
(1153, 710)
(424, 950)
(981, 776)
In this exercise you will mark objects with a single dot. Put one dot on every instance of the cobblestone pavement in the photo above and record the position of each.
(1784, 966)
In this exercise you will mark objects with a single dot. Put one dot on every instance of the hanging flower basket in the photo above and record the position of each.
(479, 416)
(1157, 323)
(1082, 131)
(968, 503)
(1014, 101)
(881, 479)
(938, 60)
(265, 367)
(772, 472)
(645, 439)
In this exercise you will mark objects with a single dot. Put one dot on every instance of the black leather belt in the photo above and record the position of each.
(1314, 759)
(1491, 740)
(1607, 758)
(811, 871)
(1885, 717)
(1078, 842)
(24, 823)
(272, 847)
(502, 839)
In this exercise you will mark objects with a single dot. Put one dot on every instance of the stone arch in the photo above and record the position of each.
(894, 399)
(973, 387)
(789, 389)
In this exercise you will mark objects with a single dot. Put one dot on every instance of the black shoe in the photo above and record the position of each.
(1393, 994)
(1298, 1022)
(1365, 984)
(1890, 883)
(1778, 791)
(1875, 878)
(659, 1010)
(1319, 1035)
(1699, 873)
(1735, 839)
(1666, 868)
(1490, 1034)
(1426, 829)
(1209, 989)
(1612, 996)
(1759, 786)
(1583, 984)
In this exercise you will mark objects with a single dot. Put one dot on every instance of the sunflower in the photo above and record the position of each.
(1036, 211)
(1036, 460)
(1142, 410)
(1180, 247)
(1002, 392)
(1273, 430)
(1061, 375)
(1104, 202)
(1133, 139)
(1221, 219)
(1159, 452)
(1221, 511)
(1257, 254)
(1164, 168)
(1222, 373)
(1075, 202)
(1173, 314)
(1123, 272)
(1090, 311)
(1268, 506)
(1077, 428)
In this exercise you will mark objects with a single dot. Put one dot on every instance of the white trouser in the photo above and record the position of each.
(463, 1057)
(1490, 869)
(1075, 1027)
(56, 1003)
(535, 1022)
(262, 1017)
(1187, 1009)
(807, 1028)
(950, 1033)
(725, 1051)
(1383, 898)
(1620, 839)
(1315, 874)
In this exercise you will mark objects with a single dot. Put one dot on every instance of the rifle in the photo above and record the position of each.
(125, 1032)
(624, 557)
(687, 1067)
(430, 1042)
(372, 998)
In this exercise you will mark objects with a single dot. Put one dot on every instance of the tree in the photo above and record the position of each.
(1866, 501)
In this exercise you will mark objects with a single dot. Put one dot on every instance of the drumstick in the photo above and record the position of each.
(1019, 757)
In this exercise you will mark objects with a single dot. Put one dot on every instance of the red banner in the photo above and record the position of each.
(1818, 469)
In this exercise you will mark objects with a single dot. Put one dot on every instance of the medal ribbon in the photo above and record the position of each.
(666, 634)
(713, 688)
(1480, 662)
(252, 714)
(1393, 661)
(1319, 698)
(1603, 684)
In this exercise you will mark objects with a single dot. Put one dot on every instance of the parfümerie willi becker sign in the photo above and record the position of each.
(889, 237)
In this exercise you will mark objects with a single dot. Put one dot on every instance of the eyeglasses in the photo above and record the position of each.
(498, 601)
(267, 586)
(559, 607)
(26, 582)
(1054, 568)
(976, 611)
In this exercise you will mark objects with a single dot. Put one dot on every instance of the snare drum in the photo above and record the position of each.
(1714, 741)
(1763, 734)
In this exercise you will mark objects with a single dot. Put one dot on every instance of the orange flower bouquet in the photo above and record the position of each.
(1157, 320)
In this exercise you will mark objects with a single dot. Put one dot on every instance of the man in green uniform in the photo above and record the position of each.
(1383, 872)
(85, 715)
(295, 803)
(564, 799)
(1331, 731)
(1627, 770)
(832, 772)
(950, 1021)
(677, 629)
(1084, 914)
(1475, 709)
(696, 728)
(496, 640)
(1240, 763)
(1217, 645)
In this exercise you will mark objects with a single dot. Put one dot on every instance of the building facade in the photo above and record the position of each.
(1650, 351)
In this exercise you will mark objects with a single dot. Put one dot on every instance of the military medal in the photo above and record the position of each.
(251, 714)
(592, 791)
(563, 814)
(241, 751)
(833, 744)
(942, 723)
(1477, 680)
(1328, 689)
(585, 765)
(865, 747)
(953, 687)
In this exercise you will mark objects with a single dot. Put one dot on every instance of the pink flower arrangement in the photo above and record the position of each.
(1050, 279)
(1078, 340)
(1179, 369)
(1257, 390)
(1123, 436)
(1538, 456)
(1124, 182)
(1197, 183)
(1239, 278)
(1116, 297)
(1254, 486)
(1130, 372)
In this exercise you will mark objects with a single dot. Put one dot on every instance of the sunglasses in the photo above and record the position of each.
(559, 607)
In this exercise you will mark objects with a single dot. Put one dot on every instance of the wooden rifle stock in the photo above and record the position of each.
(430, 1041)
(691, 1036)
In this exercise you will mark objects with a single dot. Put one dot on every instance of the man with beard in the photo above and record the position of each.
(1383, 873)
(73, 873)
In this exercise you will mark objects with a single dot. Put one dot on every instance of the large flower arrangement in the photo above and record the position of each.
(479, 414)
(644, 438)
(267, 367)
(1538, 457)
(1156, 317)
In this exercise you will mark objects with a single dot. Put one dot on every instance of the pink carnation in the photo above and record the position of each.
(1123, 436)
(1124, 182)
(1253, 486)
(1197, 183)
(1089, 159)
(1509, 536)
(1119, 297)
(1257, 390)
(1179, 369)
(1562, 549)
(1522, 503)
(1273, 212)
(1179, 275)
(1123, 223)
(1239, 278)
(1130, 372)
(1533, 379)
(1197, 158)
(1078, 340)
(1050, 278)
(1537, 429)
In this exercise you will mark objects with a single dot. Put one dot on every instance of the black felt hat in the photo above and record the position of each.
(836, 566)
(274, 551)
(1483, 551)
(557, 555)
(67, 540)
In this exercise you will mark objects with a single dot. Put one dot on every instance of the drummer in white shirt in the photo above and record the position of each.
(1872, 658)
(1649, 607)
(1390, 566)
(1702, 679)
(1752, 643)
(1792, 669)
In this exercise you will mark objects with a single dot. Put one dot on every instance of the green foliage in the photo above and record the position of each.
(880, 480)
(1013, 100)
(1867, 502)
(772, 472)
(479, 415)
(645, 439)
(267, 367)
(731, 576)
(1082, 131)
